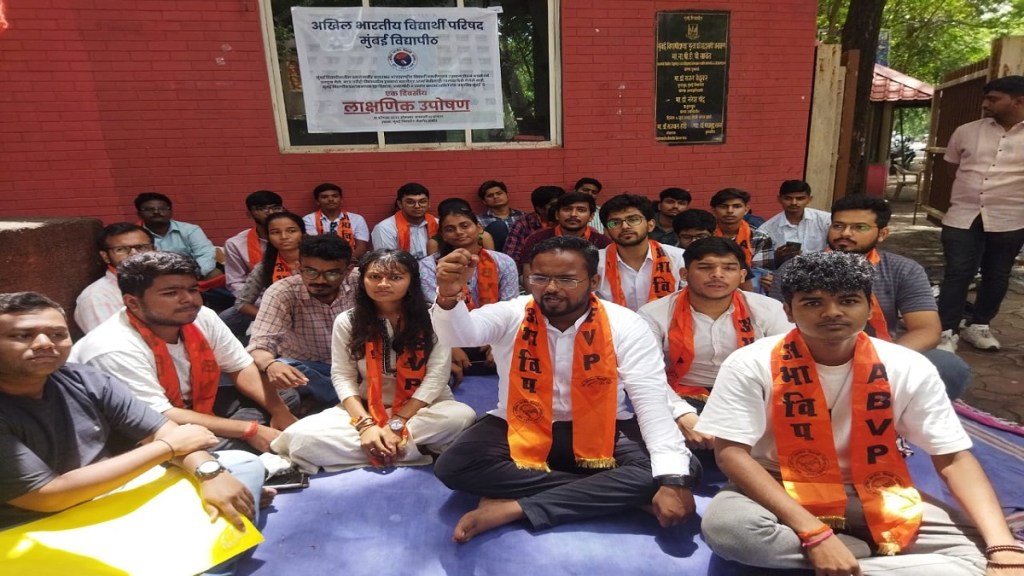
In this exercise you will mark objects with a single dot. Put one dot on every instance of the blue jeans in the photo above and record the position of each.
(965, 251)
(248, 469)
(319, 375)
(955, 373)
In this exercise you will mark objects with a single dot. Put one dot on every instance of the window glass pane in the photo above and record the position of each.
(523, 45)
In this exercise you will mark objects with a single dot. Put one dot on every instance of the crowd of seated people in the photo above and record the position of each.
(630, 342)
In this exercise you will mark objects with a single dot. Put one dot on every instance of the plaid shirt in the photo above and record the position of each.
(293, 324)
(519, 232)
(488, 218)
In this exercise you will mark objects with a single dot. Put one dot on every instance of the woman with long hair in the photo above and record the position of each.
(391, 378)
(285, 231)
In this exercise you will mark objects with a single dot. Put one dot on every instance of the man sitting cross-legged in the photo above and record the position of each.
(56, 420)
(820, 408)
(701, 325)
(171, 351)
(562, 445)
(635, 269)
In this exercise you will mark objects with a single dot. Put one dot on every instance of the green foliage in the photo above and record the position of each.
(931, 37)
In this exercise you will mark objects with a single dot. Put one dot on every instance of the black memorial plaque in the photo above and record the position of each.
(692, 73)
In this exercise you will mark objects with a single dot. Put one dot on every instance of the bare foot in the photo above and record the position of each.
(489, 514)
(267, 497)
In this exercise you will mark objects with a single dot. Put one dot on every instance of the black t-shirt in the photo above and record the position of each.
(66, 429)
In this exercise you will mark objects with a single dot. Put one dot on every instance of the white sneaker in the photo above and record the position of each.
(979, 336)
(948, 342)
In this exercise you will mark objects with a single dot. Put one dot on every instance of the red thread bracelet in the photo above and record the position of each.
(812, 533)
(254, 427)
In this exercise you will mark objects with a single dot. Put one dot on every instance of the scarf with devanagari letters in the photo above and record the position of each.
(344, 229)
(663, 282)
(680, 341)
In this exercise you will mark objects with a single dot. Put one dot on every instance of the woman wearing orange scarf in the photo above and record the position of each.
(396, 406)
(280, 260)
(806, 426)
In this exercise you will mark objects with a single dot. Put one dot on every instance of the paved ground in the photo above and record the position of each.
(998, 385)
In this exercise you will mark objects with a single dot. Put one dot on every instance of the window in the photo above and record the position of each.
(528, 47)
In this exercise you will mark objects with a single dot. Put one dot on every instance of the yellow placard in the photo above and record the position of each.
(154, 525)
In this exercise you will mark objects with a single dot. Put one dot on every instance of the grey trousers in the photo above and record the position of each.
(739, 529)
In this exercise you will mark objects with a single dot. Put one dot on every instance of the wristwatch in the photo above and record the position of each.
(682, 481)
(396, 424)
(209, 469)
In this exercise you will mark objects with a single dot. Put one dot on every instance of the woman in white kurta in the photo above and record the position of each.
(378, 421)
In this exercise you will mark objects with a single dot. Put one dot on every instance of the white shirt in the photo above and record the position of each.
(349, 379)
(740, 408)
(359, 229)
(989, 178)
(636, 284)
(714, 339)
(385, 235)
(641, 371)
(811, 232)
(99, 301)
(117, 348)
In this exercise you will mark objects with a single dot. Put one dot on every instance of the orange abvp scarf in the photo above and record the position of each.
(802, 427)
(253, 248)
(877, 319)
(743, 239)
(281, 270)
(402, 225)
(344, 230)
(680, 341)
(204, 372)
(663, 282)
(410, 371)
(594, 388)
(487, 290)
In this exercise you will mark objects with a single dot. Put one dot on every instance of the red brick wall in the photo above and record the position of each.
(102, 99)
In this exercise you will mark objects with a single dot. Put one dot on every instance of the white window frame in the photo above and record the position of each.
(281, 120)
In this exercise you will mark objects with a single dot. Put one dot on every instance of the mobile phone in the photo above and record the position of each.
(290, 479)
(793, 245)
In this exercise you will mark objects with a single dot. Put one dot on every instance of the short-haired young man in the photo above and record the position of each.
(591, 187)
(170, 235)
(499, 217)
(635, 269)
(820, 408)
(671, 203)
(243, 251)
(56, 419)
(102, 299)
(562, 444)
(171, 351)
(573, 212)
(903, 309)
(693, 224)
(543, 200)
(411, 227)
(329, 218)
(984, 225)
(291, 336)
(797, 229)
(699, 326)
(730, 205)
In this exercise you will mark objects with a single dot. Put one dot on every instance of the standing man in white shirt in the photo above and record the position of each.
(984, 225)
(411, 227)
(102, 299)
(797, 229)
(562, 444)
(635, 269)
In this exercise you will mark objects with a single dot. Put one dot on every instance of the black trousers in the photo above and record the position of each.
(479, 463)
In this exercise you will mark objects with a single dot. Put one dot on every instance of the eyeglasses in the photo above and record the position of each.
(313, 274)
(692, 237)
(408, 202)
(125, 250)
(633, 220)
(272, 209)
(156, 210)
(565, 283)
(840, 227)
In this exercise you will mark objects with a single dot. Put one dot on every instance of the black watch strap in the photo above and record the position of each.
(682, 481)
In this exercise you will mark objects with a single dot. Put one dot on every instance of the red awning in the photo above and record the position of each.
(889, 85)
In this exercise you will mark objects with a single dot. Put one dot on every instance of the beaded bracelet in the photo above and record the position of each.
(812, 533)
(1003, 548)
(1005, 565)
(818, 539)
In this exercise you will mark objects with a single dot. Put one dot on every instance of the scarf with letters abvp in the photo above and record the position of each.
(402, 226)
(204, 372)
(594, 392)
(663, 282)
(802, 426)
(680, 340)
